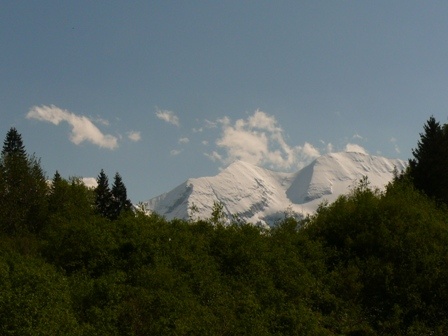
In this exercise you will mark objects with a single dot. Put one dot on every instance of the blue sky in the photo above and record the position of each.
(161, 91)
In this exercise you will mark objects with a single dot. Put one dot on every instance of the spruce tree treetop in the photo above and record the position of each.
(103, 195)
(56, 181)
(120, 199)
(57, 177)
(23, 189)
(13, 143)
(428, 168)
(429, 141)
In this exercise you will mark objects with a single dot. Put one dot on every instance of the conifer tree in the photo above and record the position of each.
(13, 144)
(23, 188)
(428, 169)
(56, 178)
(103, 195)
(57, 196)
(120, 201)
(70, 199)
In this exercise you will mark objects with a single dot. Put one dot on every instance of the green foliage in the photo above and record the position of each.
(110, 203)
(80, 245)
(428, 167)
(23, 189)
(34, 298)
(69, 200)
(385, 255)
(120, 202)
(103, 195)
(13, 144)
(193, 212)
(371, 263)
(218, 216)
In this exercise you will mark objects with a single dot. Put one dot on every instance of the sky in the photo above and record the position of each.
(163, 91)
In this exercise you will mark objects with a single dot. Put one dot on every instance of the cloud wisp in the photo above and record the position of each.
(168, 116)
(184, 140)
(83, 129)
(351, 147)
(259, 140)
(134, 136)
(394, 142)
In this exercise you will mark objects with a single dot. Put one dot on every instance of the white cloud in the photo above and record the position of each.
(134, 136)
(210, 124)
(205, 142)
(214, 156)
(350, 147)
(309, 150)
(168, 116)
(102, 121)
(184, 140)
(259, 140)
(357, 136)
(263, 121)
(89, 182)
(83, 128)
(175, 152)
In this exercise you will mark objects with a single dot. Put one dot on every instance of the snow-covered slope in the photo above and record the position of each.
(334, 174)
(258, 195)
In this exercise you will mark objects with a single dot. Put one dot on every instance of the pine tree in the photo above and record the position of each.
(56, 178)
(13, 159)
(120, 201)
(23, 188)
(13, 144)
(103, 195)
(58, 195)
(428, 169)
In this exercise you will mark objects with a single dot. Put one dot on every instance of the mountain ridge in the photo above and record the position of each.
(262, 196)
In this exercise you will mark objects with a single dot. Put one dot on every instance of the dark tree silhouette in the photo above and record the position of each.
(23, 188)
(103, 195)
(13, 144)
(429, 167)
(120, 201)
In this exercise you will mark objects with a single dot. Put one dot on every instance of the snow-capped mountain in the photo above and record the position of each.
(259, 195)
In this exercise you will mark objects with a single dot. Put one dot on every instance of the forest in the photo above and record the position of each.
(80, 261)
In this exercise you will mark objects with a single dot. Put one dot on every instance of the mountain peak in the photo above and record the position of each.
(334, 174)
(239, 164)
(259, 195)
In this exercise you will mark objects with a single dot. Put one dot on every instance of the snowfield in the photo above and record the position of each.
(261, 196)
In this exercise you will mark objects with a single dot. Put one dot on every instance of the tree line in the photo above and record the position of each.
(77, 261)
(27, 199)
